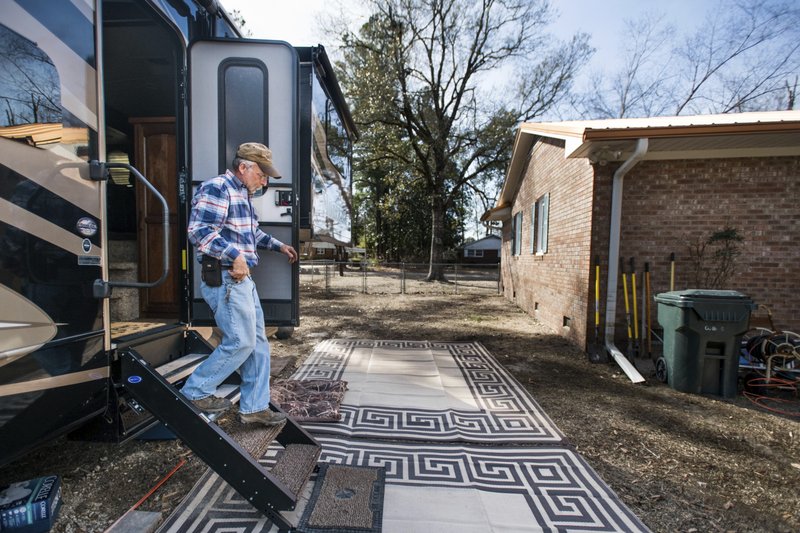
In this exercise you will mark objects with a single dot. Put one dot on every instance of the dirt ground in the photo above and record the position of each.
(681, 462)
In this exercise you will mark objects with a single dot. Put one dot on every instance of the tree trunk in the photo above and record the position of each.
(436, 267)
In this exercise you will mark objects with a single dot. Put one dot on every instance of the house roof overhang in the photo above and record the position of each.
(763, 134)
(497, 213)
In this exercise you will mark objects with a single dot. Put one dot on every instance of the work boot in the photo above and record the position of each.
(212, 404)
(266, 417)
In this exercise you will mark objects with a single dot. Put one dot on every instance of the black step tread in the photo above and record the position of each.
(255, 438)
(295, 465)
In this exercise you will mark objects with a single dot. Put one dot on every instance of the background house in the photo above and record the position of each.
(644, 189)
(483, 251)
(322, 250)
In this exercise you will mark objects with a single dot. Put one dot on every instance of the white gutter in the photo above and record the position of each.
(613, 260)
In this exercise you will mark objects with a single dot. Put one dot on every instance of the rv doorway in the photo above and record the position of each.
(142, 58)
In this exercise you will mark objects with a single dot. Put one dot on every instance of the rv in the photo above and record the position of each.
(113, 112)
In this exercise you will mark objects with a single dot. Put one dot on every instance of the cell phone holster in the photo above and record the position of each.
(211, 271)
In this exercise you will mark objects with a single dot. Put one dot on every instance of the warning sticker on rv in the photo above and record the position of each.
(89, 260)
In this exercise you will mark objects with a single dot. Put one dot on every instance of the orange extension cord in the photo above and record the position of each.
(158, 485)
(773, 383)
(150, 492)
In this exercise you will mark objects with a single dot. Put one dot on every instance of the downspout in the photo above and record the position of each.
(613, 260)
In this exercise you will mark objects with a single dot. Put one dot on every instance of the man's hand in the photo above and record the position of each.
(239, 270)
(289, 252)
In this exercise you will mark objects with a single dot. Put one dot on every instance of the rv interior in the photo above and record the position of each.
(141, 60)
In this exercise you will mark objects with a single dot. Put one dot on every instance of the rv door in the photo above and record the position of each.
(242, 91)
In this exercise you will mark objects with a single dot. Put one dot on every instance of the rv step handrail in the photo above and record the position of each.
(101, 288)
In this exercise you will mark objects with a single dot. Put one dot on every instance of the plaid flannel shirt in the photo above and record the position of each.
(223, 223)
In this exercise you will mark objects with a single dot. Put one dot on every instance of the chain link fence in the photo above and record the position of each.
(398, 278)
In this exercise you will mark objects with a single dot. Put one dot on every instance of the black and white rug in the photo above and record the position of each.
(430, 391)
(464, 447)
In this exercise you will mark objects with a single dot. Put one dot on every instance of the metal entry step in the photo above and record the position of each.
(221, 452)
(182, 367)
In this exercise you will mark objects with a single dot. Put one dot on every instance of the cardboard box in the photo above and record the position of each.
(30, 506)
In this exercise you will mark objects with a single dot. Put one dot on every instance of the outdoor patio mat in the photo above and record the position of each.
(465, 448)
(431, 391)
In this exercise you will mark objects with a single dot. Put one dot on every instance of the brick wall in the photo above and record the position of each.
(669, 204)
(556, 282)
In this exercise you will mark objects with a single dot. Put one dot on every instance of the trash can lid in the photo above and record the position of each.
(687, 297)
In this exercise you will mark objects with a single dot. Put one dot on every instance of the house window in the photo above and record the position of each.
(517, 229)
(539, 224)
(473, 253)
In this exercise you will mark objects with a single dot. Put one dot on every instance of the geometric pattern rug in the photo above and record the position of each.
(430, 391)
(464, 446)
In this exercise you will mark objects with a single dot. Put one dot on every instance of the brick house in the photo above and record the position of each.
(646, 188)
(483, 251)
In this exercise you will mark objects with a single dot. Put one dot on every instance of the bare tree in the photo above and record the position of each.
(743, 57)
(641, 86)
(418, 68)
(740, 56)
(713, 259)
(791, 93)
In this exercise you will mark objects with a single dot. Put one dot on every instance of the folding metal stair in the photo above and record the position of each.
(232, 453)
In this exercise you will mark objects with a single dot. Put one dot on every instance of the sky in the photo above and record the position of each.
(296, 21)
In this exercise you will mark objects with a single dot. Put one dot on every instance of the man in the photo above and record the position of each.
(223, 227)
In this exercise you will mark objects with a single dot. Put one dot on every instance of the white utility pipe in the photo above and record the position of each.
(613, 260)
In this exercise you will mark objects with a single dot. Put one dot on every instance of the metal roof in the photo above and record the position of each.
(758, 134)
(485, 244)
(767, 129)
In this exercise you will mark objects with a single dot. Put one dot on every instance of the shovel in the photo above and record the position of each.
(597, 353)
(672, 271)
(636, 345)
(647, 297)
(629, 351)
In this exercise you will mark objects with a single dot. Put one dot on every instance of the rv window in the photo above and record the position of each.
(338, 141)
(30, 92)
(330, 164)
(245, 93)
(44, 143)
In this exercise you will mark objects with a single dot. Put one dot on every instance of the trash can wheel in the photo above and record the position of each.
(661, 369)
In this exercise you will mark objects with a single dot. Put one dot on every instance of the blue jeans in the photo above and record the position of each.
(237, 311)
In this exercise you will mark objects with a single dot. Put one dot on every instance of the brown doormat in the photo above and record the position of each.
(345, 499)
(309, 400)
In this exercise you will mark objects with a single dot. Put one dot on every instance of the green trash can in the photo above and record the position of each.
(702, 339)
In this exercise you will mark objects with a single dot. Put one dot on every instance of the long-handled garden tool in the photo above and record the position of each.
(672, 271)
(636, 350)
(597, 353)
(629, 351)
(647, 297)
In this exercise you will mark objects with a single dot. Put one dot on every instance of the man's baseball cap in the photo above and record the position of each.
(261, 155)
